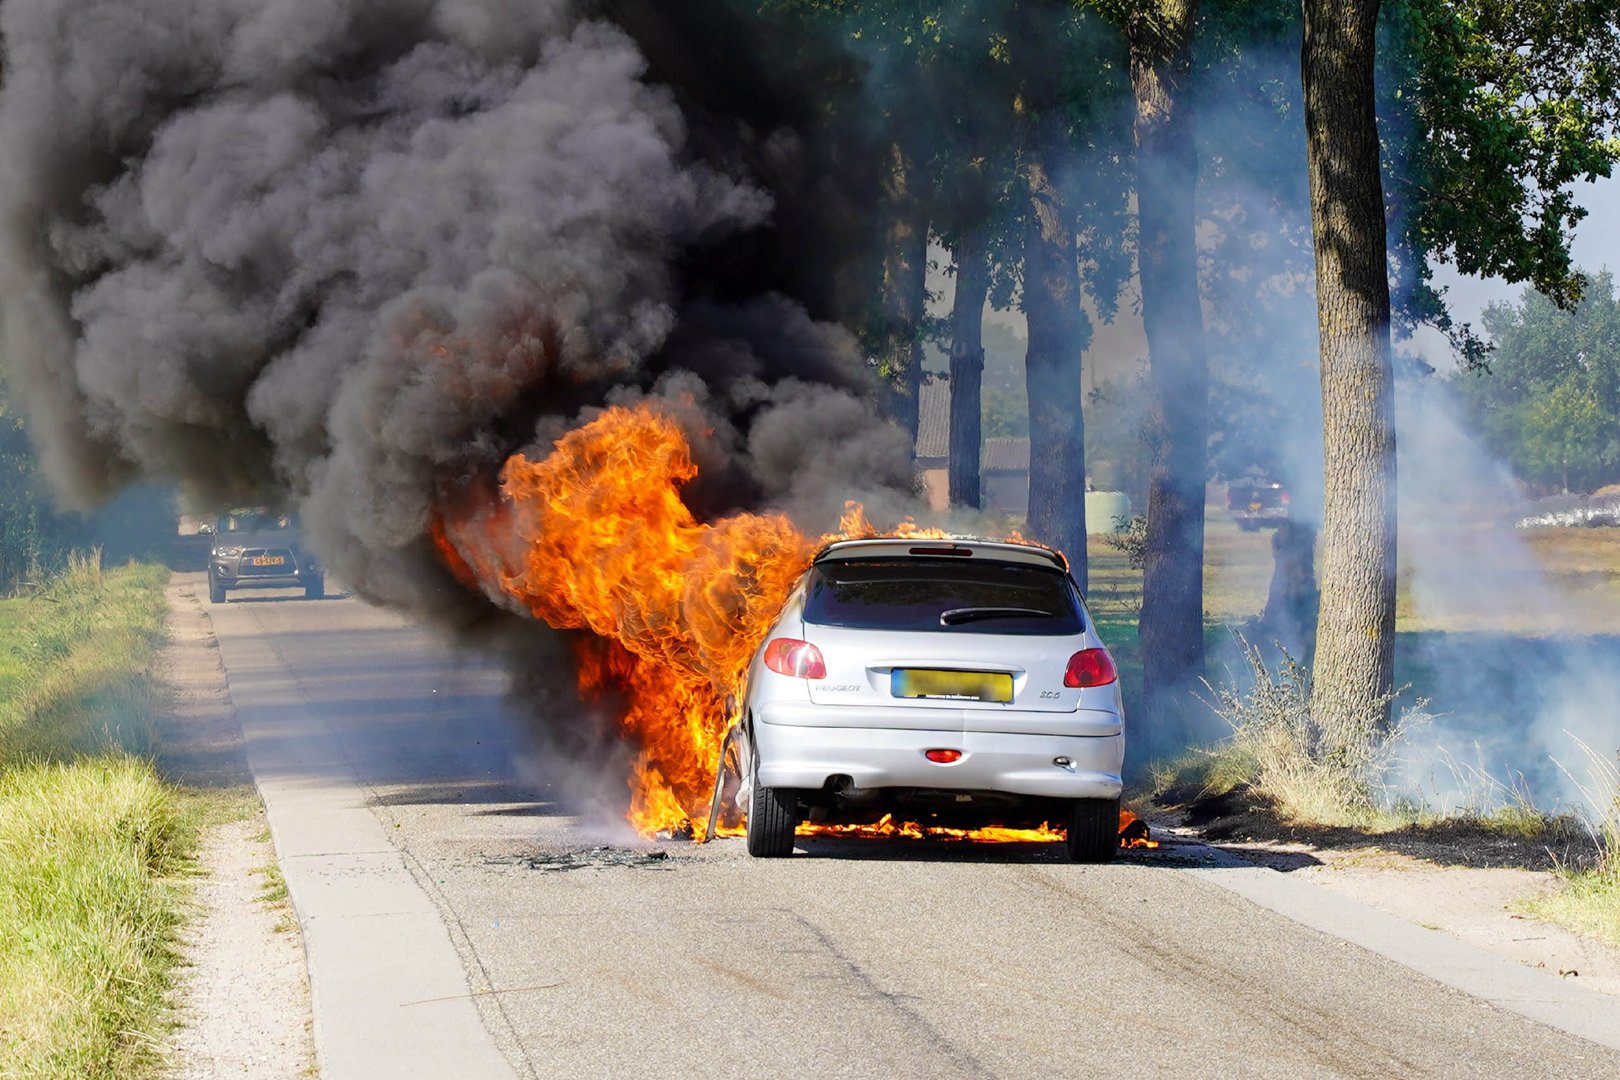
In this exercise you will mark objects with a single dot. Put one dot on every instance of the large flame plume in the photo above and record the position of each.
(595, 537)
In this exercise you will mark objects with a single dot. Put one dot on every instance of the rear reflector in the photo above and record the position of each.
(1090, 667)
(795, 659)
(943, 757)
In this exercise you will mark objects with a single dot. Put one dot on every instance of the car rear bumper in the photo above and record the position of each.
(794, 754)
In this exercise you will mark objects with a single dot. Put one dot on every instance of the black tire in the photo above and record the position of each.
(773, 814)
(314, 588)
(216, 592)
(1093, 830)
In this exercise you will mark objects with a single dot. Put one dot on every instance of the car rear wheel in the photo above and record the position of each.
(773, 814)
(314, 588)
(1093, 830)
(216, 592)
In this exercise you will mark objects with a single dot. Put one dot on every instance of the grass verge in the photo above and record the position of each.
(92, 842)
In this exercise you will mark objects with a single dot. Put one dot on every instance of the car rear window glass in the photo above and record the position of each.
(942, 595)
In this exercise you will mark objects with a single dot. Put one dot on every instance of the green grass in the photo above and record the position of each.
(92, 843)
(1589, 903)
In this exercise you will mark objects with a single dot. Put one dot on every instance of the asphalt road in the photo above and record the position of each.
(461, 923)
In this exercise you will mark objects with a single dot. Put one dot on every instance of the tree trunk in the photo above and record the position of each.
(905, 265)
(1172, 623)
(1356, 630)
(1293, 601)
(1058, 329)
(1057, 338)
(967, 367)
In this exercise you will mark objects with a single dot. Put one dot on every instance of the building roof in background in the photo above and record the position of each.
(934, 419)
(1005, 455)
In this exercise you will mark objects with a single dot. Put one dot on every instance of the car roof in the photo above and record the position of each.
(899, 547)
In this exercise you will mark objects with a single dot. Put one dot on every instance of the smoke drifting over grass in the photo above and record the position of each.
(350, 254)
(1514, 692)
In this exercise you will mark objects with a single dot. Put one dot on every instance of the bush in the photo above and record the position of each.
(1130, 537)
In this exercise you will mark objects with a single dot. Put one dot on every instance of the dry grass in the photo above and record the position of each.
(1590, 899)
(1576, 589)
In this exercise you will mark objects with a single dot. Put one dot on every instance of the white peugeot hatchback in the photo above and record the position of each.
(942, 681)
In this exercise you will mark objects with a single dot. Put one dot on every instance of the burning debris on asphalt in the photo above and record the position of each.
(594, 858)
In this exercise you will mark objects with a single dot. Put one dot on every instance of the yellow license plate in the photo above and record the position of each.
(268, 560)
(965, 685)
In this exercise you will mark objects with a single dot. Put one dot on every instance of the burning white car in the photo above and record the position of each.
(946, 681)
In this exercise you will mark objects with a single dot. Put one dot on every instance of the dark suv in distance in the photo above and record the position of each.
(260, 549)
(1255, 504)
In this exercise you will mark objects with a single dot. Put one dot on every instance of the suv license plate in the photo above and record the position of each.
(961, 685)
(268, 560)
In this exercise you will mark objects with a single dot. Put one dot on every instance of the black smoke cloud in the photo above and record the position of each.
(349, 255)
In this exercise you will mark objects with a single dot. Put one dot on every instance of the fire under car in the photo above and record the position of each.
(953, 683)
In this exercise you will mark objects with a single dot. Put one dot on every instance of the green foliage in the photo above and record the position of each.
(1498, 109)
(32, 535)
(1549, 403)
(37, 539)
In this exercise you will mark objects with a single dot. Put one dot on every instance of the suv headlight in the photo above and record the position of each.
(229, 552)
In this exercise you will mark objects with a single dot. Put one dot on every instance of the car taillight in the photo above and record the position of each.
(1286, 498)
(1090, 667)
(794, 658)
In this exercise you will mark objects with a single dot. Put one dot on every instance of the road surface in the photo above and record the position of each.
(461, 923)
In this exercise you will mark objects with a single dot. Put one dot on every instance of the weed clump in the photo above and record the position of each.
(1312, 771)
(1590, 899)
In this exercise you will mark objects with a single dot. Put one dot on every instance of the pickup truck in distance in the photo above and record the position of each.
(1255, 504)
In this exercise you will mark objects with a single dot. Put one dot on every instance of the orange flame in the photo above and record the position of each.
(1133, 832)
(595, 537)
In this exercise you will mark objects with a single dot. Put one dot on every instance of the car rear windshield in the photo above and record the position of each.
(942, 595)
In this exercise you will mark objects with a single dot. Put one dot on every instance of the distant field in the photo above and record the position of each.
(1467, 577)
(1466, 593)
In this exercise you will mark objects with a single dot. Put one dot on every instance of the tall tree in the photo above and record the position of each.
(1172, 625)
(904, 289)
(1356, 627)
(967, 366)
(1058, 327)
